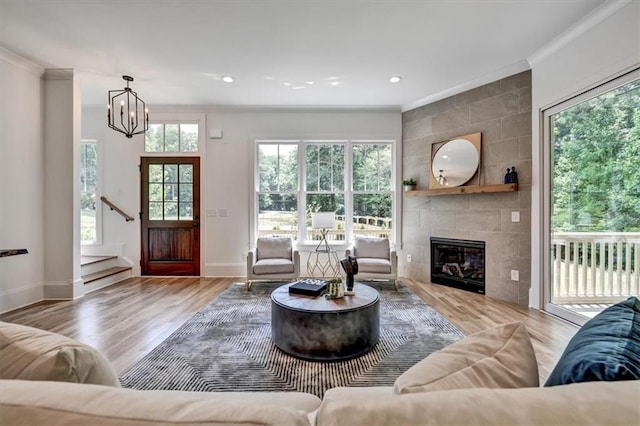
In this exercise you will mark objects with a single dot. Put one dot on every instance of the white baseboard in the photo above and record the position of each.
(21, 297)
(58, 290)
(224, 270)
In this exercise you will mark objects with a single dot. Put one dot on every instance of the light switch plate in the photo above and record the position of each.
(515, 275)
(515, 216)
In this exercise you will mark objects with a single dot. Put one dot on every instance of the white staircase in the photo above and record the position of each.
(101, 271)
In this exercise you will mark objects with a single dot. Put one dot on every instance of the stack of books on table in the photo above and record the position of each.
(308, 287)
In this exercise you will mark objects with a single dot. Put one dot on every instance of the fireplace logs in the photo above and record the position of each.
(458, 263)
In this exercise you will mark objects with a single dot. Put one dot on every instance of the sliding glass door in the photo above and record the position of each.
(593, 229)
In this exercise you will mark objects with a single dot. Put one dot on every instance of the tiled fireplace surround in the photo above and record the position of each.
(502, 112)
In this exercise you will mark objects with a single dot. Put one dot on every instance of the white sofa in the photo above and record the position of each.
(489, 378)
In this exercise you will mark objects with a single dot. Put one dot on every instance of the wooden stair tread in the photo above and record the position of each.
(104, 273)
(88, 260)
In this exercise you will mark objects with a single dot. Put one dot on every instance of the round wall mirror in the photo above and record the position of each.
(455, 162)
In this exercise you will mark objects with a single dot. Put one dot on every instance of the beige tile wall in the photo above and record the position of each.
(502, 112)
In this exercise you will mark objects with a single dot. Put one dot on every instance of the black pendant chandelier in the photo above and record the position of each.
(131, 109)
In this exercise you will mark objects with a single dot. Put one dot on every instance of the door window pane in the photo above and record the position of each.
(156, 192)
(170, 211)
(170, 192)
(156, 173)
(155, 211)
(595, 196)
(170, 173)
(186, 211)
(186, 192)
(186, 173)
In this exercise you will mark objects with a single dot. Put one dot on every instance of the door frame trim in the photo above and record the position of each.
(597, 89)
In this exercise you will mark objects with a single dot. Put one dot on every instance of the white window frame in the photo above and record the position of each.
(98, 201)
(348, 186)
(170, 118)
(547, 150)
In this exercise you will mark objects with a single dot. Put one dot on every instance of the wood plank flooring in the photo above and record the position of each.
(126, 320)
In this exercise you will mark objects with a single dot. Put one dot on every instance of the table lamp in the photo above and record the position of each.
(324, 221)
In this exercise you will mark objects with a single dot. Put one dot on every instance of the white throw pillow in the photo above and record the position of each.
(28, 353)
(501, 357)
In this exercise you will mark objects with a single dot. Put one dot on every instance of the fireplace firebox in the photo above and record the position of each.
(458, 263)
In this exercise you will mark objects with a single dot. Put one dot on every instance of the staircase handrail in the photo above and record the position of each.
(116, 209)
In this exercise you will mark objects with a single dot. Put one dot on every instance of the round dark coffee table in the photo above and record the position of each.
(319, 329)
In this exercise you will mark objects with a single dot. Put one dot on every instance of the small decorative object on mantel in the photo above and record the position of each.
(350, 266)
(409, 184)
(511, 176)
(335, 289)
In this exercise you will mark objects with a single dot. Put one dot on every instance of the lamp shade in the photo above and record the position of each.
(323, 220)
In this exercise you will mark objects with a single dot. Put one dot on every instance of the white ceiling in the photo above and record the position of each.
(177, 50)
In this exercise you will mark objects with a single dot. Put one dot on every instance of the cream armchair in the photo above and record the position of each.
(377, 259)
(273, 259)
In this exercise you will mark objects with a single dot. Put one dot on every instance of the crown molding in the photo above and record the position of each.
(19, 61)
(58, 74)
(596, 16)
(499, 74)
(207, 108)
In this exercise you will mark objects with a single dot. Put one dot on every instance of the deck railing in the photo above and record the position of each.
(592, 267)
(332, 235)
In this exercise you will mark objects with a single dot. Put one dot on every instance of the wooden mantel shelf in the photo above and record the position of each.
(484, 189)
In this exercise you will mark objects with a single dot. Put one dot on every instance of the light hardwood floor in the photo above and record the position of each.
(126, 320)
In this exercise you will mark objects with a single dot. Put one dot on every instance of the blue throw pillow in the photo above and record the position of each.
(607, 348)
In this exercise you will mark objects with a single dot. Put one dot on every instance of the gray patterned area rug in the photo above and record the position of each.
(227, 347)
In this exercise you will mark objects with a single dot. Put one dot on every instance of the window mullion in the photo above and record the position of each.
(302, 190)
(348, 191)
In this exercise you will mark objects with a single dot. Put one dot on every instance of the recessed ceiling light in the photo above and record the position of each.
(395, 79)
(309, 82)
(287, 84)
(227, 79)
(299, 87)
(335, 83)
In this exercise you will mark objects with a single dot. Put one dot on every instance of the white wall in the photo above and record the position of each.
(21, 181)
(603, 45)
(227, 169)
(61, 185)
